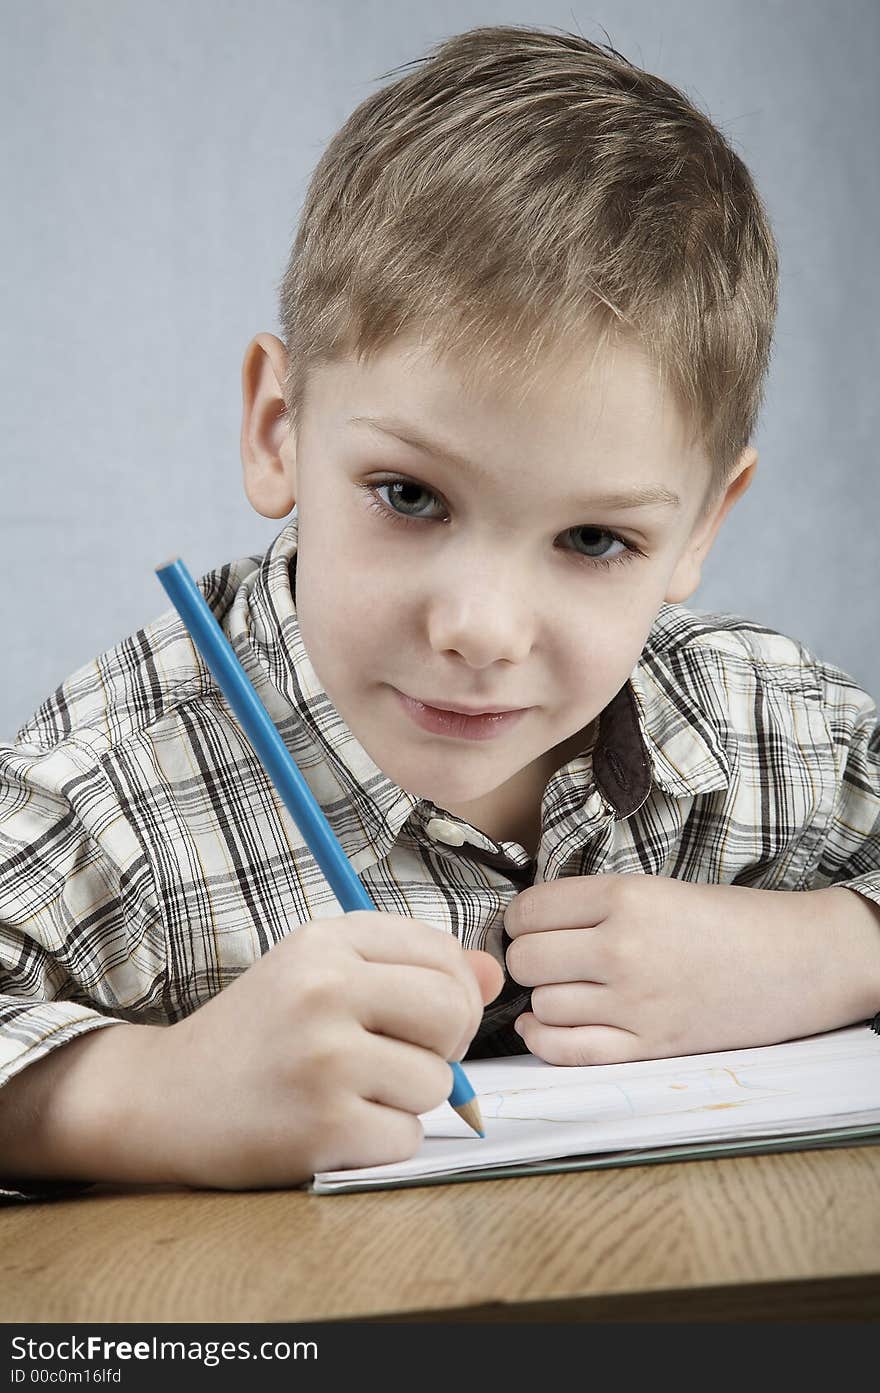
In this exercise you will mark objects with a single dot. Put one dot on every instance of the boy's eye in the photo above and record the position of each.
(598, 543)
(409, 495)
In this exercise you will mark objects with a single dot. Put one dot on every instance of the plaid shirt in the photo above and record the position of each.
(146, 859)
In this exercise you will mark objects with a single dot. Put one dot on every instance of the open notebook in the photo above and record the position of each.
(816, 1092)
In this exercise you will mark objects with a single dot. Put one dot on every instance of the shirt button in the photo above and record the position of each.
(441, 830)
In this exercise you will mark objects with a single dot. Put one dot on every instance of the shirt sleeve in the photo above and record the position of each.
(64, 938)
(850, 855)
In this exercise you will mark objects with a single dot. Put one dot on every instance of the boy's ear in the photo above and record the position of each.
(268, 448)
(688, 571)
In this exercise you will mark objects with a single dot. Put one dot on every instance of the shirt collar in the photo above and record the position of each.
(654, 730)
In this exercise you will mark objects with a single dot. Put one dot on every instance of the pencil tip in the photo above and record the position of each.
(470, 1112)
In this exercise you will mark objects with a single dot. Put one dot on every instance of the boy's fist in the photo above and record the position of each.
(626, 967)
(322, 1054)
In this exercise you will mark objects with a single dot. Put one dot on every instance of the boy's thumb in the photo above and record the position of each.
(488, 972)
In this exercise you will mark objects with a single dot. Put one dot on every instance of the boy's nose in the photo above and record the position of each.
(484, 624)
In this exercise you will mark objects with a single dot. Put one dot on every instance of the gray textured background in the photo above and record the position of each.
(154, 158)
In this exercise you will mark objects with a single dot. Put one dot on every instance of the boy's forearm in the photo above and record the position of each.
(851, 925)
(88, 1112)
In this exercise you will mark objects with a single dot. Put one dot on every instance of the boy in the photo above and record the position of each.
(527, 321)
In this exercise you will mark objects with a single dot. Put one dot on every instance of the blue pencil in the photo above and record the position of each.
(260, 729)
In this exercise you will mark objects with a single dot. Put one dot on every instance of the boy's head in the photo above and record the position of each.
(525, 257)
(521, 190)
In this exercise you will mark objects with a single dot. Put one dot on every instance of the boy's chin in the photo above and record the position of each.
(445, 791)
(473, 802)
(449, 796)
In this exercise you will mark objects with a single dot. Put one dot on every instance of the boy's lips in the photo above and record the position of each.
(465, 710)
(457, 723)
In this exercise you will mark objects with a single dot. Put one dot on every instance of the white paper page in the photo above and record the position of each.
(533, 1111)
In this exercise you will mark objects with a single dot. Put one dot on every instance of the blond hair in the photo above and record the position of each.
(518, 189)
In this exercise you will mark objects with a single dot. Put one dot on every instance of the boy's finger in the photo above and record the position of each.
(488, 972)
(535, 960)
(392, 938)
(403, 1076)
(578, 901)
(578, 1045)
(420, 1006)
(574, 1003)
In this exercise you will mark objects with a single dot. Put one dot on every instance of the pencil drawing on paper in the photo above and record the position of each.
(701, 1090)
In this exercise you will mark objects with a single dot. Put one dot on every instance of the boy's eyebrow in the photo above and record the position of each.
(410, 435)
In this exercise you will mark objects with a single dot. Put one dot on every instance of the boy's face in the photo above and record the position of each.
(479, 549)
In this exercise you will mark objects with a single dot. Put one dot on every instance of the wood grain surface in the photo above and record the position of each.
(791, 1236)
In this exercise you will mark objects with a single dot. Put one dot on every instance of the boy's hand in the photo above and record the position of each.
(322, 1054)
(644, 967)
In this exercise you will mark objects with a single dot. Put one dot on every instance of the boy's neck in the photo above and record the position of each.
(512, 813)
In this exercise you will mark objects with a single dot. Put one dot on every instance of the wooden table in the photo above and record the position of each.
(790, 1236)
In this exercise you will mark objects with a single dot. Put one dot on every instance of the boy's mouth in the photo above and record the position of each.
(457, 722)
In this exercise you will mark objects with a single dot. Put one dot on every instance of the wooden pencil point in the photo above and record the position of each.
(470, 1111)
